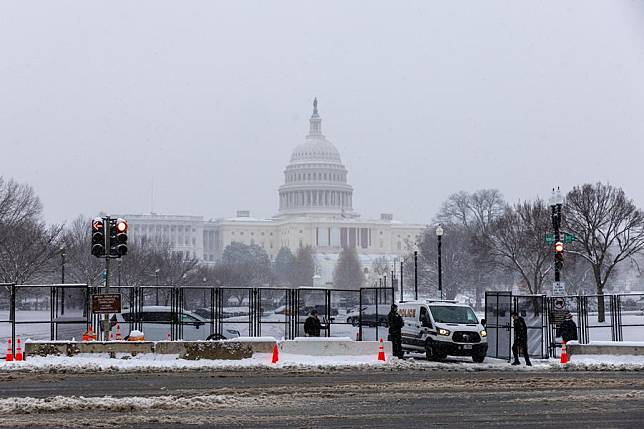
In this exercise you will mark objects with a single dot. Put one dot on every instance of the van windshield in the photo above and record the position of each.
(453, 314)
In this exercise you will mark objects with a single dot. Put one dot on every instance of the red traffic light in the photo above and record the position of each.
(559, 247)
(121, 225)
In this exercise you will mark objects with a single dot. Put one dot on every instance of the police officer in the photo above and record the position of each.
(395, 325)
(568, 329)
(520, 339)
(312, 325)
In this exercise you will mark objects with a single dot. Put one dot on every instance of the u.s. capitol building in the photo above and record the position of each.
(315, 209)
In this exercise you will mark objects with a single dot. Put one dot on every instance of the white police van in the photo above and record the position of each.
(442, 328)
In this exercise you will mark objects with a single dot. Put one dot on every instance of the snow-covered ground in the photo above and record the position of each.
(91, 363)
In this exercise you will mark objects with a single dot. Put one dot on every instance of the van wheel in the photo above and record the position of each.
(430, 353)
(478, 358)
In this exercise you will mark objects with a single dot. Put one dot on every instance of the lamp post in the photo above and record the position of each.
(439, 236)
(62, 279)
(156, 273)
(416, 274)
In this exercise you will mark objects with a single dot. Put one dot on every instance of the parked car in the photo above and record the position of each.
(157, 322)
(369, 316)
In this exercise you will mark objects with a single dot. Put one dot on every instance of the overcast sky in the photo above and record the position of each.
(205, 100)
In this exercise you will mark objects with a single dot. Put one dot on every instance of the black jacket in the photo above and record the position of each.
(520, 330)
(568, 330)
(395, 322)
(312, 326)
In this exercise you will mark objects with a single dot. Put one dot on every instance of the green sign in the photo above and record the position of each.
(568, 238)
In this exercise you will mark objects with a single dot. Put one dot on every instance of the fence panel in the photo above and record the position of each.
(234, 312)
(631, 317)
(375, 304)
(600, 328)
(344, 311)
(273, 314)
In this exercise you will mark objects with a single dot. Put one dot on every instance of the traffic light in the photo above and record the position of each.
(559, 249)
(121, 237)
(118, 237)
(98, 237)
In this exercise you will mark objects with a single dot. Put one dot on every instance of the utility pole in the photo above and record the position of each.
(106, 316)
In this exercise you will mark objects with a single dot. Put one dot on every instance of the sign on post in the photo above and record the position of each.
(558, 288)
(559, 311)
(106, 303)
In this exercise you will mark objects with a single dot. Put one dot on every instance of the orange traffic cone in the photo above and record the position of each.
(111, 336)
(381, 351)
(168, 337)
(91, 334)
(564, 353)
(119, 337)
(9, 357)
(19, 355)
(275, 354)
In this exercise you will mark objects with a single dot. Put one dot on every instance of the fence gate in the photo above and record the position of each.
(498, 306)
(498, 309)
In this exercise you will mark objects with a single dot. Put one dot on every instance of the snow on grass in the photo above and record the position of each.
(602, 363)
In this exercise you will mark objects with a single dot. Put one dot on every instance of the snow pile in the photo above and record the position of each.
(58, 404)
(602, 363)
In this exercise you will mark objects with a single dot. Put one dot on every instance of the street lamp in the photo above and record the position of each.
(439, 235)
(156, 273)
(62, 279)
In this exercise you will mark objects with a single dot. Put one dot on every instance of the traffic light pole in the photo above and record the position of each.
(556, 224)
(106, 316)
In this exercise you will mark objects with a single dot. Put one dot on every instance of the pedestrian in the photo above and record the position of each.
(396, 323)
(520, 339)
(568, 329)
(312, 325)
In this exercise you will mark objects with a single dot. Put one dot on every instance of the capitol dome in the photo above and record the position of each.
(315, 180)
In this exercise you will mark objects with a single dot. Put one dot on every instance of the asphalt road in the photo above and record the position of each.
(330, 398)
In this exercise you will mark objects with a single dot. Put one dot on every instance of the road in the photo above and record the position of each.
(347, 398)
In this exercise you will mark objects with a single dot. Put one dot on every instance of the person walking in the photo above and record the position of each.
(396, 323)
(568, 329)
(520, 339)
(312, 325)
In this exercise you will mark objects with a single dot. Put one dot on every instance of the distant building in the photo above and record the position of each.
(315, 209)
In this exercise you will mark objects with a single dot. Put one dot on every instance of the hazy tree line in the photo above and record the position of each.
(488, 244)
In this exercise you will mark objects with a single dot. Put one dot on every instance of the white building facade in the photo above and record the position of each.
(315, 209)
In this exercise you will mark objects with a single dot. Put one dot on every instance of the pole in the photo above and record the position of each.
(106, 316)
(416, 274)
(440, 268)
(401, 281)
(556, 221)
(62, 281)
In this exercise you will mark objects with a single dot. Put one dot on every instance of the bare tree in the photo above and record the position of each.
(516, 240)
(469, 216)
(609, 229)
(81, 266)
(27, 244)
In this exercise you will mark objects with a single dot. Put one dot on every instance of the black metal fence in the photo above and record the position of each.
(615, 317)
(63, 312)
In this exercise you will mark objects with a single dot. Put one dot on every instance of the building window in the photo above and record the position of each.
(300, 231)
(242, 233)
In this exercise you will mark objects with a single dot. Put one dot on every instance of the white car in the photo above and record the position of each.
(157, 322)
(442, 328)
